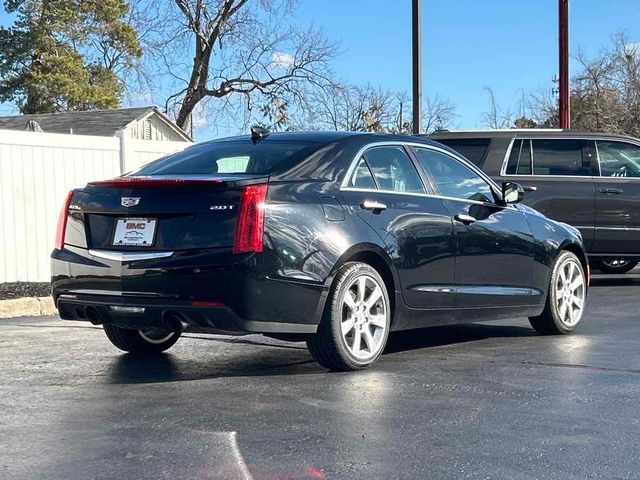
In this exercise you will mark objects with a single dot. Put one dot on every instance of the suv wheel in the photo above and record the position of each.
(153, 340)
(355, 325)
(615, 265)
(566, 298)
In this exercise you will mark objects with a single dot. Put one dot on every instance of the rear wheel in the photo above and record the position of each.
(355, 325)
(566, 298)
(615, 265)
(152, 340)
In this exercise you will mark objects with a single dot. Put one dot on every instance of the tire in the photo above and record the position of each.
(349, 309)
(139, 341)
(615, 265)
(568, 287)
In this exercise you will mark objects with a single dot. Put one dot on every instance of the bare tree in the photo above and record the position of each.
(241, 50)
(605, 93)
(353, 108)
(496, 117)
(439, 114)
(373, 109)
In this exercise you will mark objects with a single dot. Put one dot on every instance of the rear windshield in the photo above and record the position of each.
(232, 158)
(470, 148)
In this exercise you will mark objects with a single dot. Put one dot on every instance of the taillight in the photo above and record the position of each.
(62, 221)
(250, 226)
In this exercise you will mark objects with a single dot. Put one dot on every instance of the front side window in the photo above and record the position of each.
(392, 169)
(453, 178)
(618, 159)
(559, 157)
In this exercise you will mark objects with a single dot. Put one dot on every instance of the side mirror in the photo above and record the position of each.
(512, 192)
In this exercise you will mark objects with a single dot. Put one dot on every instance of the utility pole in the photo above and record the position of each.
(416, 29)
(563, 86)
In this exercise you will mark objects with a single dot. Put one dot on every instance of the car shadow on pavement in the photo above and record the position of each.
(615, 280)
(450, 335)
(265, 359)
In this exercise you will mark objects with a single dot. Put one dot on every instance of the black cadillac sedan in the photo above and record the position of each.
(335, 239)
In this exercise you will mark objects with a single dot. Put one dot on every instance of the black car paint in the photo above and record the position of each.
(606, 210)
(437, 271)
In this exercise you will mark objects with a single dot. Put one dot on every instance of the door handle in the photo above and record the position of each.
(529, 188)
(465, 219)
(611, 191)
(375, 207)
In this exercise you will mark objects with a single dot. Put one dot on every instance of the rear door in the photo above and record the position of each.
(389, 194)
(617, 198)
(557, 175)
(494, 243)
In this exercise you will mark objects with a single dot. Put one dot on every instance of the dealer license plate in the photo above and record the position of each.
(138, 232)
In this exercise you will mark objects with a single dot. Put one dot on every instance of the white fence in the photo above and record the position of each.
(36, 172)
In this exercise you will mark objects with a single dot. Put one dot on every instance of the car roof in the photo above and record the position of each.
(329, 136)
(300, 136)
(528, 133)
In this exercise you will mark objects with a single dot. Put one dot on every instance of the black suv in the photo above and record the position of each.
(589, 180)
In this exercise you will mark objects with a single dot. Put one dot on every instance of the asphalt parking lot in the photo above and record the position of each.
(490, 400)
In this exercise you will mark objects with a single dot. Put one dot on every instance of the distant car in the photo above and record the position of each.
(589, 180)
(335, 239)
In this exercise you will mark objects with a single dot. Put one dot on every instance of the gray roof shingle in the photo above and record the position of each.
(104, 123)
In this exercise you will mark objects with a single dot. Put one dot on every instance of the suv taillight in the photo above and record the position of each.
(250, 226)
(62, 222)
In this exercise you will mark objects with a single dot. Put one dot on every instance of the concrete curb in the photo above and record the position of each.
(27, 307)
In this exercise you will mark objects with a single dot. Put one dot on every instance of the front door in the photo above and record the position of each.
(618, 198)
(389, 194)
(494, 244)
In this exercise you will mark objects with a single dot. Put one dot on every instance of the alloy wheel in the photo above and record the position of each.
(570, 292)
(364, 317)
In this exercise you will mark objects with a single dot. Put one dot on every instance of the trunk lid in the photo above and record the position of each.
(160, 212)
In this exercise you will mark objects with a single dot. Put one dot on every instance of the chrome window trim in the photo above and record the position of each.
(505, 160)
(464, 161)
(595, 142)
(350, 172)
(128, 256)
(427, 195)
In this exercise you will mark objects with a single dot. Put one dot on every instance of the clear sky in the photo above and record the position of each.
(509, 45)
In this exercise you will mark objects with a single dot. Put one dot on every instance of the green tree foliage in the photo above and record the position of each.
(62, 55)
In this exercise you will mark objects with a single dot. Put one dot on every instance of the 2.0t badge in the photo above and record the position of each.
(129, 201)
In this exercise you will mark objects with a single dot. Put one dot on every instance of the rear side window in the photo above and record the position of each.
(520, 158)
(392, 169)
(363, 178)
(231, 157)
(472, 149)
(559, 157)
(618, 159)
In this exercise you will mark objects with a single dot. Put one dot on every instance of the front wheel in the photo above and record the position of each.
(153, 340)
(615, 265)
(355, 325)
(566, 298)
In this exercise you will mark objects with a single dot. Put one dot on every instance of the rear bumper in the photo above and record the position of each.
(154, 313)
(184, 285)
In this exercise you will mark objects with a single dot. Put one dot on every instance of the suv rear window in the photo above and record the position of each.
(472, 149)
(231, 157)
(559, 157)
